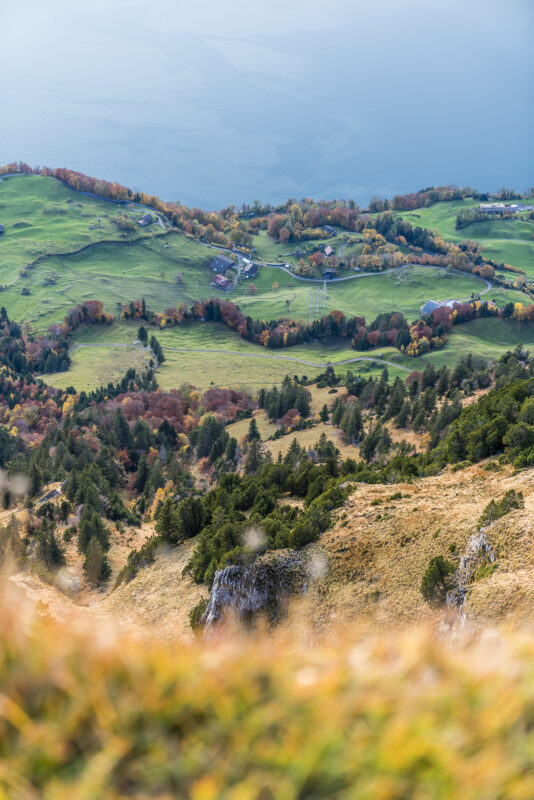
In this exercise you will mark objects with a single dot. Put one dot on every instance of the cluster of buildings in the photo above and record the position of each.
(503, 209)
(221, 264)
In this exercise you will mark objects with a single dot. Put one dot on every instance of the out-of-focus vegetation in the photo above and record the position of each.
(262, 717)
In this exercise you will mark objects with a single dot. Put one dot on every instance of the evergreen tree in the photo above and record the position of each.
(36, 480)
(404, 415)
(168, 524)
(91, 526)
(142, 335)
(142, 474)
(157, 350)
(253, 432)
(323, 413)
(254, 458)
(49, 550)
(96, 565)
(437, 581)
(443, 382)
(121, 430)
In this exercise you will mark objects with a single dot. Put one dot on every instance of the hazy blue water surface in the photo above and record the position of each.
(224, 102)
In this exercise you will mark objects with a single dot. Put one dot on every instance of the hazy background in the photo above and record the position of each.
(230, 100)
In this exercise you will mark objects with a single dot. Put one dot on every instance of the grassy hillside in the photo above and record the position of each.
(503, 240)
(43, 216)
(203, 354)
(192, 357)
(380, 547)
(261, 717)
(368, 295)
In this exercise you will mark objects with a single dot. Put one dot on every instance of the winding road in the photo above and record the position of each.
(284, 268)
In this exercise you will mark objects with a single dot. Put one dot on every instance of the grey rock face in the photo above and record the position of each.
(478, 550)
(262, 588)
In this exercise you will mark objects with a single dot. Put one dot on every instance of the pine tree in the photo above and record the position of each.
(142, 335)
(253, 432)
(36, 480)
(50, 552)
(254, 459)
(437, 581)
(323, 413)
(121, 430)
(91, 526)
(403, 415)
(96, 565)
(168, 524)
(156, 349)
(142, 474)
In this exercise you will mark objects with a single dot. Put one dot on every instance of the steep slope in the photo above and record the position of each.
(380, 547)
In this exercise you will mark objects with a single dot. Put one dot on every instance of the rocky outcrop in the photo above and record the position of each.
(260, 589)
(477, 552)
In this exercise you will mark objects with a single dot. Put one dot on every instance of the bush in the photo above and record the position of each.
(437, 581)
(196, 613)
(499, 508)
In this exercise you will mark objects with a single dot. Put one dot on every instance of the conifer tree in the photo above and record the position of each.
(254, 458)
(253, 432)
(142, 335)
(168, 524)
(96, 565)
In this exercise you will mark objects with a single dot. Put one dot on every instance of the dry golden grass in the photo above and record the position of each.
(89, 713)
(265, 427)
(379, 553)
(308, 437)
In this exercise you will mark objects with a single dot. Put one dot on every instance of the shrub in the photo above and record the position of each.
(195, 615)
(437, 581)
(499, 508)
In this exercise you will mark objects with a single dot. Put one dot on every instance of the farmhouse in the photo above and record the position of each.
(251, 270)
(429, 307)
(329, 274)
(221, 263)
(147, 219)
(328, 229)
(499, 208)
(221, 283)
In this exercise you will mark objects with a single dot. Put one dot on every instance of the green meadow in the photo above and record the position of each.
(367, 296)
(83, 255)
(508, 240)
(43, 216)
(205, 354)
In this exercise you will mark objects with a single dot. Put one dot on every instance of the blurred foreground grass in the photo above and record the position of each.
(260, 717)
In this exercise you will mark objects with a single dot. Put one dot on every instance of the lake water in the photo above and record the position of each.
(229, 102)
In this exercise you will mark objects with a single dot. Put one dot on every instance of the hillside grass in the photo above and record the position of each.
(486, 339)
(90, 714)
(503, 240)
(190, 358)
(366, 295)
(42, 216)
